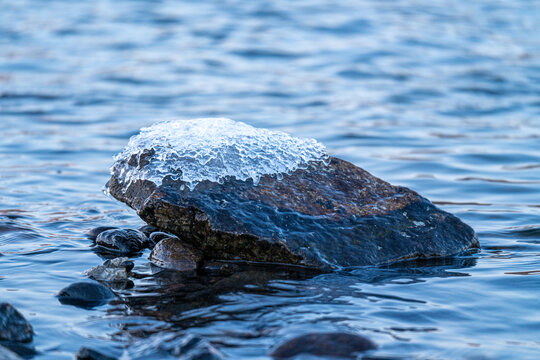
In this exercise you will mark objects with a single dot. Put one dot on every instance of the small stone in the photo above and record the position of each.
(6, 354)
(92, 234)
(13, 326)
(172, 253)
(85, 294)
(148, 229)
(157, 236)
(122, 241)
(335, 344)
(85, 353)
(116, 269)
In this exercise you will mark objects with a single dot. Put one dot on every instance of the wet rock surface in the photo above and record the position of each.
(85, 353)
(122, 241)
(85, 294)
(156, 237)
(172, 253)
(148, 230)
(335, 344)
(326, 216)
(114, 270)
(13, 326)
(93, 233)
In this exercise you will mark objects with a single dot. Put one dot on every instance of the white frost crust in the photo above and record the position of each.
(214, 149)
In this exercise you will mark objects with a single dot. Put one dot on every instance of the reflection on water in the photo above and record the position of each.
(441, 97)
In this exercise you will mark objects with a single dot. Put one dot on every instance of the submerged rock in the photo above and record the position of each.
(122, 241)
(116, 269)
(85, 294)
(335, 344)
(171, 253)
(13, 326)
(239, 193)
(85, 353)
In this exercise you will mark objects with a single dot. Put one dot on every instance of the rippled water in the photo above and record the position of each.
(439, 96)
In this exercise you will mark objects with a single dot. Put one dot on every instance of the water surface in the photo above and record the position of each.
(439, 96)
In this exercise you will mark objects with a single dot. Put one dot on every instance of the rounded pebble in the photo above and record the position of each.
(85, 294)
(92, 234)
(122, 241)
(172, 253)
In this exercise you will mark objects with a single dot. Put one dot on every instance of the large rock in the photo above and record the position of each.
(327, 213)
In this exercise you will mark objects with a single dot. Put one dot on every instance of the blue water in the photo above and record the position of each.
(440, 96)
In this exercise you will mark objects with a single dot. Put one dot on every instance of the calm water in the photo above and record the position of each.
(439, 96)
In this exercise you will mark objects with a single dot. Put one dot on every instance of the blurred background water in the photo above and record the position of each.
(440, 96)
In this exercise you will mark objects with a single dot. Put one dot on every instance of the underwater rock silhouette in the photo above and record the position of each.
(299, 206)
(13, 326)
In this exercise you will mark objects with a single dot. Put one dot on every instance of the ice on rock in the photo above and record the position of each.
(212, 149)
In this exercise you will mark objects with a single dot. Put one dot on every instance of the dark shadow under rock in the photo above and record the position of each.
(167, 294)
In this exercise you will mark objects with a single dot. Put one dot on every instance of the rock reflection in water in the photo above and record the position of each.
(166, 294)
(166, 306)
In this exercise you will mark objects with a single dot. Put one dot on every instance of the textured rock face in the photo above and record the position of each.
(327, 215)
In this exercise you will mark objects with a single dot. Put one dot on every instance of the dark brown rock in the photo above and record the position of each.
(327, 216)
(335, 344)
(171, 253)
